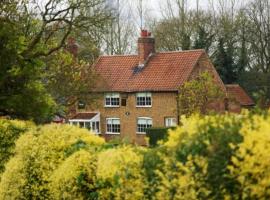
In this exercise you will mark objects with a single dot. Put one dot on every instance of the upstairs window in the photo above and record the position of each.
(112, 100)
(143, 123)
(170, 122)
(144, 99)
(113, 126)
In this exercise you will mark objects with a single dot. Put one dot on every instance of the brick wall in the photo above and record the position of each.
(163, 105)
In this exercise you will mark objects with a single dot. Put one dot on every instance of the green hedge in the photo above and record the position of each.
(156, 134)
(10, 131)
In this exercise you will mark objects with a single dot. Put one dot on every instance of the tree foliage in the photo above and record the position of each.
(32, 36)
(196, 95)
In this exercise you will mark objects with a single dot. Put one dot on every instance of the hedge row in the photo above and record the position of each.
(211, 157)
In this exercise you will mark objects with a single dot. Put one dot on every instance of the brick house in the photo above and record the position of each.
(140, 91)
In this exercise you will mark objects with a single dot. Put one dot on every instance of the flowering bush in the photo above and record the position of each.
(38, 153)
(250, 162)
(209, 157)
(10, 130)
(206, 140)
(75, 177)
(119, 173)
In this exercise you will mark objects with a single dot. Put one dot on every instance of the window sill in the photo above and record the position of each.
(140, 133)
(111, 106)
(107, 133)
(143, 106)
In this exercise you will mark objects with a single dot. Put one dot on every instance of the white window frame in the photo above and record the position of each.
(143, 118)
(145, 95)
(84, 121)
(112, 133)
(170, 121)
(110, 96)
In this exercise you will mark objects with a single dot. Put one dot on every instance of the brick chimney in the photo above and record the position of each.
(146, 46)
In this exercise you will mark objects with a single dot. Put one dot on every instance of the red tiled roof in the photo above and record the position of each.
(163, 72)
(237, 92)
(84, 115)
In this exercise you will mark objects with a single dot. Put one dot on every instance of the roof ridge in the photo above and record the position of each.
(116, 55)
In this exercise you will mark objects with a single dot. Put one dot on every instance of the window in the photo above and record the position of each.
(143, 123)
(112, 100)
(144, 99)
(113, 126)
(170, 121)
(123, 102)
(91, 126)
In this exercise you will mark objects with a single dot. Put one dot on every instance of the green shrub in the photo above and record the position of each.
(109, 174)
(10, 131)
(213, 157)
(38, 154)
(156, 134)
(207, 140)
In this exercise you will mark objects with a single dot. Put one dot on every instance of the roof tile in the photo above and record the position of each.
(237, 92)
(163, 72)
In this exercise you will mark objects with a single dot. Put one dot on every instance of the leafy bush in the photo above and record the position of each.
(207, 157)
(38, 153)
(110, 174)
(208, 137)
(10, 130)
(250, 162)
(156, 134)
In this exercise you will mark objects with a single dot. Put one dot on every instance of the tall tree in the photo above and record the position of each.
(29, 33)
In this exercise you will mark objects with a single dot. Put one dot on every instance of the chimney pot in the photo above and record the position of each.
(144, 33)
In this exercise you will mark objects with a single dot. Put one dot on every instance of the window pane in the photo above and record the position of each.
(148, 101)
(144, 99)
(81, 124)
(141, 94)
(143, 124)
(108, 101)
(109, 128)
(113, 125)
(88, 125)
(97, 126)
(75, 123)
(116, 121)
(170, 121)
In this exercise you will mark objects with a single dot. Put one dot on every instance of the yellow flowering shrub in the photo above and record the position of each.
(38, 153)
(205, 140)
(251, 161)
(107, 174)
(211, 157)
(10, 130)
(119, 173)
(69, 180)
(181, 181)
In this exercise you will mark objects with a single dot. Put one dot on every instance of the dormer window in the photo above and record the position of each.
(144, 99)
(112, 100)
